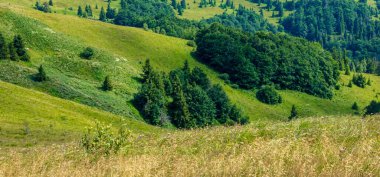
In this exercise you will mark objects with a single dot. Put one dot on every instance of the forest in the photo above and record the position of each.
(254, 60)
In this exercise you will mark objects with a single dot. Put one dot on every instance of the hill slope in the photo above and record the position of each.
(29, 117)
(56, 41)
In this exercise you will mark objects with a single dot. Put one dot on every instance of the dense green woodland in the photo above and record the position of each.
(253, 60)
(337, 24)
(185, 98)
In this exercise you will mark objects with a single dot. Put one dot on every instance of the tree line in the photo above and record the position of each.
(184, 98)
(344, 24)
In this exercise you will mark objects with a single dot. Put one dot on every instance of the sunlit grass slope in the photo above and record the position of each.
(29, 118)
(123, 49)
(332, 146)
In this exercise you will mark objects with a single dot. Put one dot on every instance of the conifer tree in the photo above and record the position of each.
(50, 2)
(183, 4)
(123, 4)
(147, 71)
(80, 11)
(102, 15)
(281, 9)
(293, 113)
(180, 111)
(12, 52)
(179, 9)
(107, 85)
(355, 106)
(41, 75)
(174, 4)
(110, 14)
(19, 46)
(3, 48)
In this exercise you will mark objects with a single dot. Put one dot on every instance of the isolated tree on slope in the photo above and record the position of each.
(107, 85)
(293, 113)
(80, 11)
(102, 15)
(3, 47)
(50, 2)
(41, 75)
(19, 46)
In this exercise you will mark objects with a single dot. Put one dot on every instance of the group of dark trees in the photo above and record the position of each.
(87, 12)
(15, 50)
(254, 60)
(244, 19)
(179, 6)
(44, 7)
(337, 23)
(184, 98)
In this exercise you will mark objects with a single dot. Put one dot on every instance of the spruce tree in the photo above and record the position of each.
(123, 4)
(179, 108)
(293, 113)
(174, 4)
(183, 4)
(12, 52)
(50, 2)
(107, 85)
(147, 71)
(281, 9)
(102, 15)
(110, 14)
(3, 48)
(19, 46)
(41, 75)
(355, 106)
(80, 11)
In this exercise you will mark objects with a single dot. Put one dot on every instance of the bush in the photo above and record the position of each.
(102, 141)
(268, 95)
(191, 43)
(87, 53)
(359, 80)
(372, 108)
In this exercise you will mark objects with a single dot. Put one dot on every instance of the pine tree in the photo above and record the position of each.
(355, 106)
(102, 15)
(183, 4)
(179, 9)
(147, 71)
(19, 46)
(3, 47)
(293, 113)
(281, 9)
(123, 4)
(174, 4)
(12, 52)
(50, 2)
(80, 11)
(96, 6)
(41, 75)
(110, 14)
(107, 85)
(179, 108)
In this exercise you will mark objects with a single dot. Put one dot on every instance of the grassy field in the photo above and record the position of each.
(121, 50)
(339, 146)
(29, 118)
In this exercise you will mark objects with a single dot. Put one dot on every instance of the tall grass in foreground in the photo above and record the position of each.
(343, 146)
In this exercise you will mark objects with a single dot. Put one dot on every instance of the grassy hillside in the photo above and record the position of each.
(30, 118)
(340, 146)
(56, 41)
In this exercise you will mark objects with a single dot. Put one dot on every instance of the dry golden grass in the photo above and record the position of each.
(340, 146)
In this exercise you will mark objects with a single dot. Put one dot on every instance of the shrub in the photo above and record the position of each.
(293, 113)
(41, 75)
(107, 84)
(359, 80)
(87, 53)
(268, 95)
(102, 141)
(372, 108)
(191, 43)
(355, 106)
